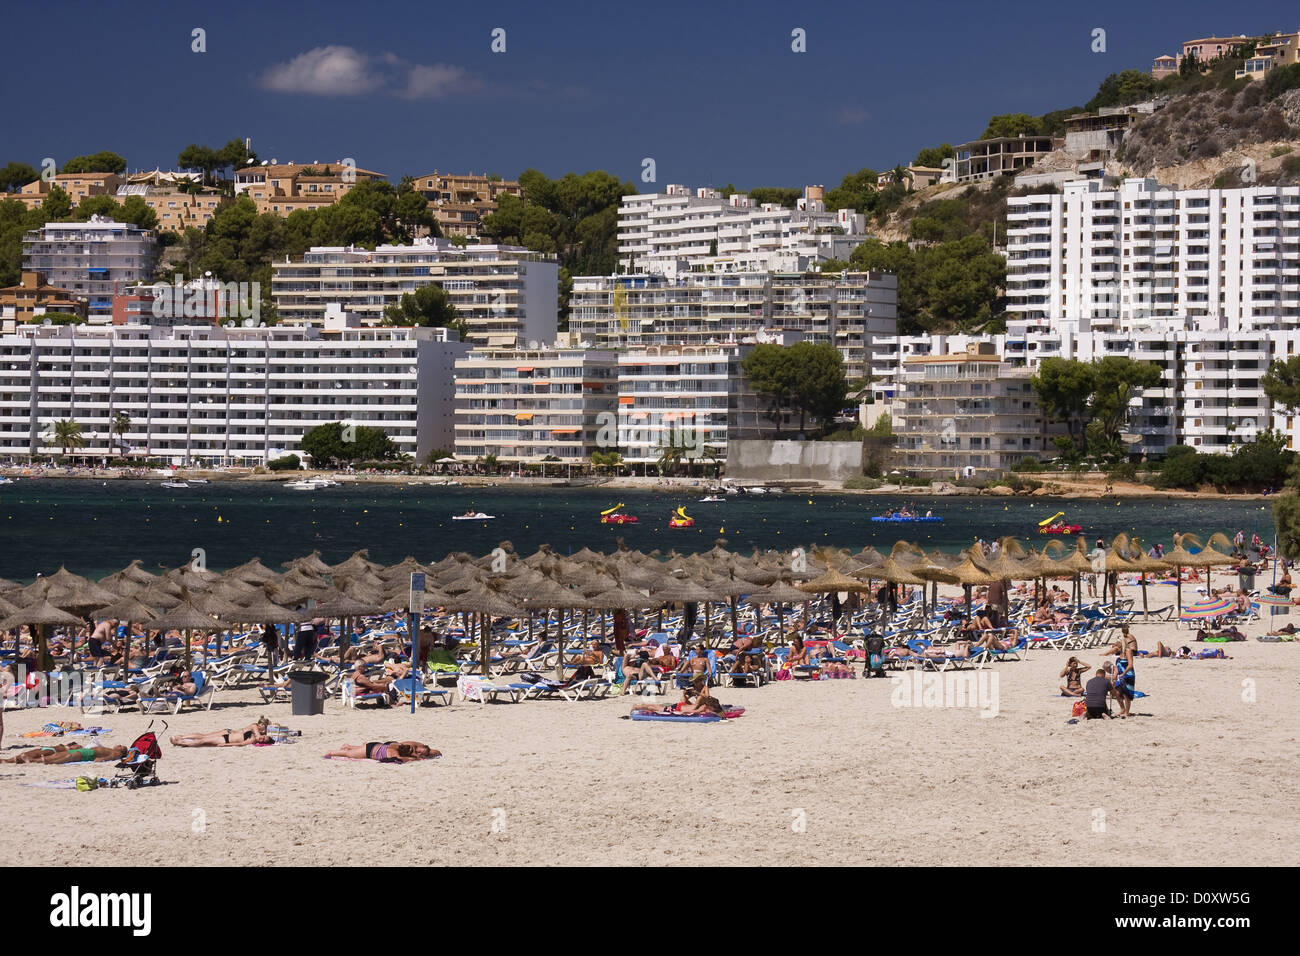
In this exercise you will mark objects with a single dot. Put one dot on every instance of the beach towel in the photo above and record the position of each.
(471, 688)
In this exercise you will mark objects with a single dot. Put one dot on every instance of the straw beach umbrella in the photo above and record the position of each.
(42, 615)
(185, 617)
(487, 601)
(779, 594)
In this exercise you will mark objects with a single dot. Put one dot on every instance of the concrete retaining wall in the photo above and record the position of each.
(776, 460)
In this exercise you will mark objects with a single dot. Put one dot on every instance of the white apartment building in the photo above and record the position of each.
(92, 259)
(853, 310)
(216, 395)
(532, 405)
(679, 229)
(1211, 398)
(695, 398)
(1111, 258)
(967, 414)
(508, 295)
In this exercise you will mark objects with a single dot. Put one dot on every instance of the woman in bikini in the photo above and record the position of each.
(252, 734)
(67, 753)
(389, 752)
(1073, 674)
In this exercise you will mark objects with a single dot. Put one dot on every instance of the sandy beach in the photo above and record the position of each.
(829, 772)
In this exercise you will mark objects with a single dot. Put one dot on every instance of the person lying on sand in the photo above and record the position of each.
(692, 704)
(252, 734)
(67, 753)
(1073, 674)
(388, 752)
(1283, 631)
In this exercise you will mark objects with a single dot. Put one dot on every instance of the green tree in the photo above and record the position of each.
(335, 442)
(14, 176)
(1117, 380)
(57, 205)
(1119, 89)
(1064, 388)
(805, 376)
(68, 434)
(105, 206)
(324, 444)
(119, 426)
(933, 156)
(203, 159)
(428, 306)
(1282, 383)
(137, 212)
(1011, 125)
(101, 162)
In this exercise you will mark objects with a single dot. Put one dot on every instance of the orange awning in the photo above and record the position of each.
(565, 431)
(625, 399)
(524, 416)
(524, 368)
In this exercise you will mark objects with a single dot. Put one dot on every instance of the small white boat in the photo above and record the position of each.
(197, 481)
(476, 516)
(174, 484)
(308, 484)
(6, 481)
(712, 498)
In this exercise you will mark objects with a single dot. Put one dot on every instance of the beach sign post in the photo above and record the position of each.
(417, 605)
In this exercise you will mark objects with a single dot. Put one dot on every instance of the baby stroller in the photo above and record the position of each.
(139, 767)
(875, 666)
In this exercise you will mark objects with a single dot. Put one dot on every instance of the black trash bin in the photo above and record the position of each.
(1247, 579)
(308, 689)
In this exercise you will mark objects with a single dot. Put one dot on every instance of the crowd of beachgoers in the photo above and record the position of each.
(673, 632)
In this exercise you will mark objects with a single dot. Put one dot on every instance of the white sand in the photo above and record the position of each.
(1201, 777)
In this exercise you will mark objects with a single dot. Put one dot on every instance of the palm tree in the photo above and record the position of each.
(671, 454)
(119, 426)
(67, 434)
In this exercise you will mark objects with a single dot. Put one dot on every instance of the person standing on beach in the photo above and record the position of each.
(305, 646)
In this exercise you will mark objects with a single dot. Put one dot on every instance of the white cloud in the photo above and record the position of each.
(325, 71)
(345, 71)
(433, 82)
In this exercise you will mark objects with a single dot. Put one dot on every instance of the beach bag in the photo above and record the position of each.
(87, 783)
(1079, 709)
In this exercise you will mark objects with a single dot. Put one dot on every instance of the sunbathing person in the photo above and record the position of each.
(637, 666)
(1073, 674)
(1162, 650)
(380, 685)
(798, 653)
(1285, 631)
(819, 655)
(252, 734)
(67, 753)
(745, 661)
(698, 666)
(978, 623)
(591, 656)
(993, 642)
(388, 752)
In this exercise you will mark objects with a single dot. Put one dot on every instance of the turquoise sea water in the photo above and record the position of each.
(97, 528)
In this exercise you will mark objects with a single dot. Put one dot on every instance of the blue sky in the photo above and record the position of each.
(711, 91)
